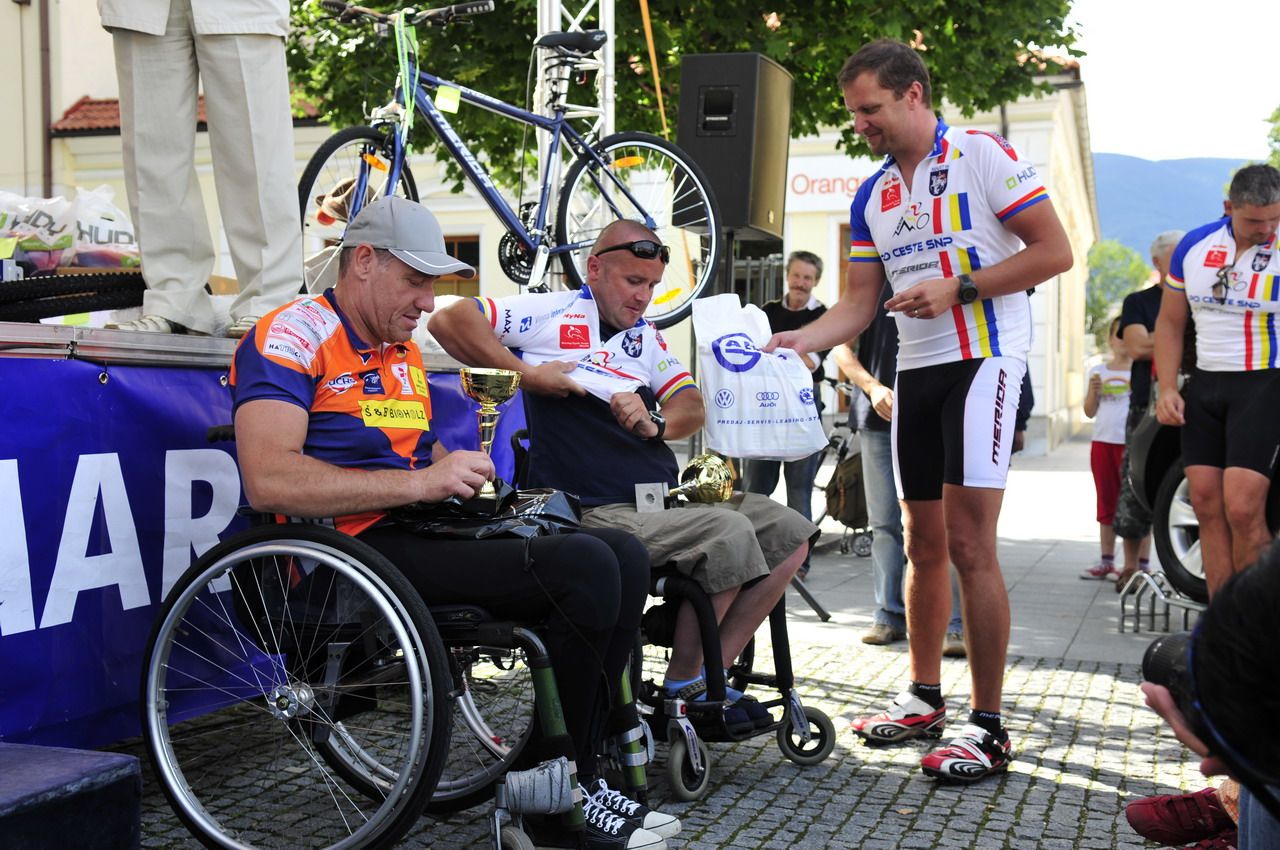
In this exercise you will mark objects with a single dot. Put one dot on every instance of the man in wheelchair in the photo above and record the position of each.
(333, 419)
(602, 393)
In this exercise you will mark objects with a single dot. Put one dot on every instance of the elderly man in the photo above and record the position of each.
(333, 419)
(600, 444)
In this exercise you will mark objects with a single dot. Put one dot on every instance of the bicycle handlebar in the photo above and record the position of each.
(439, 17)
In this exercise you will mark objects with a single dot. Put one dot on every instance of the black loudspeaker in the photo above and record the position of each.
(735, 122)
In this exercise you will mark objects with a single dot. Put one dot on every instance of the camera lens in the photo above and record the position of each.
(1165, 663)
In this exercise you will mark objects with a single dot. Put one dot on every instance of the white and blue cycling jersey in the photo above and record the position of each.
(1233, 298)
(951, 221)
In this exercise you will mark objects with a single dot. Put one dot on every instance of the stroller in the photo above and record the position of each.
(845, 498)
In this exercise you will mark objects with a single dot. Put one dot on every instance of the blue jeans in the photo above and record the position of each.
(888, 558)
(762, 477)
(1258, 829)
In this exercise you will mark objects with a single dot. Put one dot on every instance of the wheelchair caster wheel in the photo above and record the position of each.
(687, 784)
(514, 838)
(862, 545)
(822, 739)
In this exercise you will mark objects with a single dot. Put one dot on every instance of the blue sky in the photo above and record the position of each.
(1179, 79)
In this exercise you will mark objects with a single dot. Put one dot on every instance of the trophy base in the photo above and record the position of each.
(491, 498)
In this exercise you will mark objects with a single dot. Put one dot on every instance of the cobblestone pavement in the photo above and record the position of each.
(1084, 744)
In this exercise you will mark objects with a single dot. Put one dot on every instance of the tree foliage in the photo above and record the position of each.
(1115, 270)
(1273, 138)
(976, 50)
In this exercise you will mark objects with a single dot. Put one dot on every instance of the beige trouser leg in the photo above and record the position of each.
(158, 94)
(246, 91)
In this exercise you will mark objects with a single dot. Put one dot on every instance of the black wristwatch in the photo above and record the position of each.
(658, 419)
(968, 289)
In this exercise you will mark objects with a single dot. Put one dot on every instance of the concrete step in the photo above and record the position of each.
(57, 799)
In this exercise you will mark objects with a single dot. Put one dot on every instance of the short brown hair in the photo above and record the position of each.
(896, 65)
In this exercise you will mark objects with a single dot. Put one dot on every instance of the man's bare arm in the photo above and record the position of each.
(1139, 342)
(279, 478)
(880, 395)
(464, 332)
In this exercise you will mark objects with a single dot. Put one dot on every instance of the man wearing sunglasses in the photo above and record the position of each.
(1226, 275)
(602, 392)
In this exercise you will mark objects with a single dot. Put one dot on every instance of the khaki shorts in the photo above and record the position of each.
(720, 546)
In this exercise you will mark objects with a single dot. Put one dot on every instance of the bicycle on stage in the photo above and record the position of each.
(624, 175)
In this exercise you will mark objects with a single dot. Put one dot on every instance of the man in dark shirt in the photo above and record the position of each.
(1132, 521)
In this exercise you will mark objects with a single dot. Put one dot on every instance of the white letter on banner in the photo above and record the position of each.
(183, 532)
(17, 613)
(76, 571)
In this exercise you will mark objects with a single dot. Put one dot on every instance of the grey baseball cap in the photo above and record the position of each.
(409, 231)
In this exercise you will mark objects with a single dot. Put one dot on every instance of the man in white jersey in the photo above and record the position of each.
(1226, 275)
(602, 393)
(961, 228)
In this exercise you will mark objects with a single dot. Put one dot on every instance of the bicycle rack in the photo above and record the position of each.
(1155, 589)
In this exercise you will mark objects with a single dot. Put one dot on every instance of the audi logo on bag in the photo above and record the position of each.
(768, 399)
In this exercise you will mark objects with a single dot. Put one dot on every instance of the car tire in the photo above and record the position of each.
(1176, 533)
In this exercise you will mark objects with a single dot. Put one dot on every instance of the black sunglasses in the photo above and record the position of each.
(1221, 285)
(645, 249)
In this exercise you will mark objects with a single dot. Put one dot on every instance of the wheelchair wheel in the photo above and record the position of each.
(278, 654)
(516, 839)
(492, 721)
(820, 744)
(686, 783)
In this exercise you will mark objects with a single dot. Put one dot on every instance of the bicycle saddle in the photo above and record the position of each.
(579, 43)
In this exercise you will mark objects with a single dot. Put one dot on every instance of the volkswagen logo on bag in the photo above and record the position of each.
(767, 398)
(724, 399)
(736, 352)
(806, 396)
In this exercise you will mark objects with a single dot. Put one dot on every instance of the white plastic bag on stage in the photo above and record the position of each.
(759, 405)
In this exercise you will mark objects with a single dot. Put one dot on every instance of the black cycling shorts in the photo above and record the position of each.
(1233, 419)
(953, 423)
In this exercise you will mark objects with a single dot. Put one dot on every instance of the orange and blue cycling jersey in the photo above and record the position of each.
(1234, 298)
(369, 405)
(951, 221)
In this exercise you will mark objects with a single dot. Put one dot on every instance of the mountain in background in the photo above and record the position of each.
(1138, 198)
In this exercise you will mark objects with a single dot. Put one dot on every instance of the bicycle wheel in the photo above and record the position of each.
(642, 177)
(37, 298)
(271, 646)
(324, 192)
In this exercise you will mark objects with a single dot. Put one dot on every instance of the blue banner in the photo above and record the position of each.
(109, 490)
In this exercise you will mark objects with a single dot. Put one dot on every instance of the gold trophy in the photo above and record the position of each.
(489, 388)
(707, 478)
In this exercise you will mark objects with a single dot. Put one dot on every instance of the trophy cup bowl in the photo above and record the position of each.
(707, 478)
(488, 388)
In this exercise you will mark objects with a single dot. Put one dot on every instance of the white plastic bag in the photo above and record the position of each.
(44, 227)
(104, 234)
(759, 405)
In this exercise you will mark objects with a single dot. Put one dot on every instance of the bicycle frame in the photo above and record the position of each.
(561, 133)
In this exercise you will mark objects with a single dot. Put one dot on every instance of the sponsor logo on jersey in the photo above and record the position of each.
(662, 343)
(890, 196)
(574, 315)
(633, 342)
(506, 321)
(1260, 260)
(342, 383)
(575, 336)
(938, 180)
(284, 350)
(998, 424)
(401, 371)
(914, 217)
(419, 379)
(372, 382)
(394, 413)
(736, 352)
(1216, 258)
(724, 399)
(999, 140)
(1028, 173)
(526, 323)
